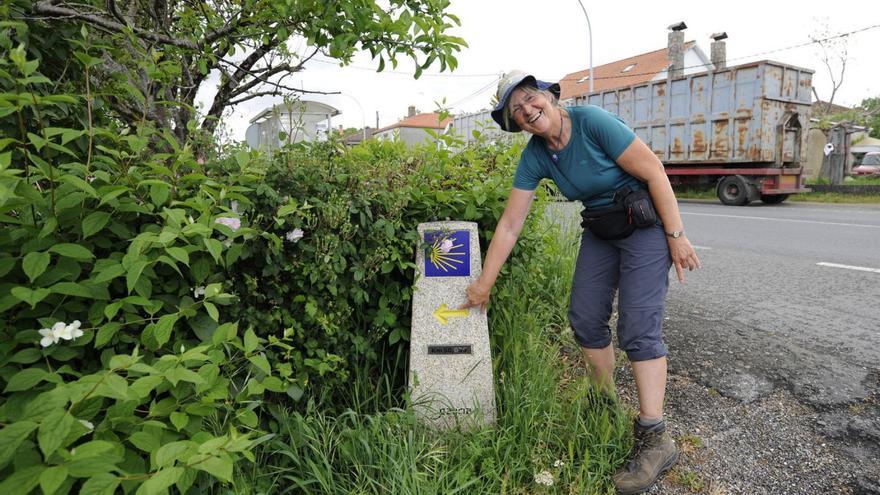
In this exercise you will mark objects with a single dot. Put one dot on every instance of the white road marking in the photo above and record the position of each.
(782, 220)
(850, 267)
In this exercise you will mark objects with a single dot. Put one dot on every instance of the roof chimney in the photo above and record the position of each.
(675, 49)
(719, 50)
(411, 111)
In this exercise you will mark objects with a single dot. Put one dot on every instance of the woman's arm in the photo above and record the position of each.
(502, 243)
(639, 161)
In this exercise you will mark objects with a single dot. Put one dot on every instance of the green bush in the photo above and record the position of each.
(152, 301)
(115, 369)
(332, 272)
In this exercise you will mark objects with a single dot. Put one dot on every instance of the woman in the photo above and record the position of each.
(591, 155)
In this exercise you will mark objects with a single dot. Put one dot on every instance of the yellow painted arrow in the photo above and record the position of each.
(443, 313)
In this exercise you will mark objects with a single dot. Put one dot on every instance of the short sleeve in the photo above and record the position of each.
(528, 173)
(608, 131)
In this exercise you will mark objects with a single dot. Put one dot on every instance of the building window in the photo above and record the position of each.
(628, 68)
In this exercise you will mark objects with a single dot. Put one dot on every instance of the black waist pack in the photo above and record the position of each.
(631, 210)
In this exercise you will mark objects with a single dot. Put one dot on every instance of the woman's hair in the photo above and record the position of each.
(529, 89)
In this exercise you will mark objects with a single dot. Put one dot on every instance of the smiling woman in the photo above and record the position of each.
(626, 249)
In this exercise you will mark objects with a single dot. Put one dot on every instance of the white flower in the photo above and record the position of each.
(72, 331)
(559, 463)
(446, 246)
(182, 348)
(227, 242)
(51, 335)
(232, 223)
(544, 478)
(294, 235)
(198, 291)
(87, 424)
(234, 206)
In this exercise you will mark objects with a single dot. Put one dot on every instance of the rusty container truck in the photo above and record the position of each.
(742, 129)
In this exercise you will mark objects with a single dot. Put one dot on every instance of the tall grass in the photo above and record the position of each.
(548, 419)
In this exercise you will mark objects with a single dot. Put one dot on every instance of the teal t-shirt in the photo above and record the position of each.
(585, 169)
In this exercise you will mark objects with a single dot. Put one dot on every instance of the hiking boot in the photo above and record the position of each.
(654, 453)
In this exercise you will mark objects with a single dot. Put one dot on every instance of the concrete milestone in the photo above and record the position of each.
(450, 370)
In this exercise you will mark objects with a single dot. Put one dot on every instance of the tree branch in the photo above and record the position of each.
(47, 8)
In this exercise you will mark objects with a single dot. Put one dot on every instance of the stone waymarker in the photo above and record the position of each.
(450, 368)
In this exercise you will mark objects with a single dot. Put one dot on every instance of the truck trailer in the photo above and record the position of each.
(742, 129)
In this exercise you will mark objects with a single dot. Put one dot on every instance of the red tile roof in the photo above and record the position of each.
(423, 120)
(609, 76)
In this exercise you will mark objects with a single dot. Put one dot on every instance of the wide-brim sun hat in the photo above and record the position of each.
(508, 83)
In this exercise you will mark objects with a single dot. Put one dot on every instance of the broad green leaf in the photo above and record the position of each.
(179, 254)
(179, 374)
(261, 362)
(100, 484)
(32, 297)
(218, 467)
(79, 184)
(134, 273)
(35, 263)
(113, 386)
(93, 223)
(25, 379)
(251, 341)
(247, 417)
(43, 404)
(242, 157)
(91, 458)
(22, 481)
(215, 247)
(11, 437)
(109, 272)
(52, 478)
(212, 311)
(170, 452)
(161, 481)
(7, 263)
(143, 386)
(145, 441)
(224, 332)
(74, 251)
(107, 331)
(26, 356)
(162, 331)
(53, 430)
(179, 420)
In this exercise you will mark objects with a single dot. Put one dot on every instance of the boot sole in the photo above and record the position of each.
(642, 489)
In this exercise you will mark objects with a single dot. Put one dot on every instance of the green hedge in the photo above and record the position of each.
(152, 302)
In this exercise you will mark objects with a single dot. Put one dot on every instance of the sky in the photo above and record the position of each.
(550, 39)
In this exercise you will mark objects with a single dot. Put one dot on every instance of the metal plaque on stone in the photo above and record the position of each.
(450, 368)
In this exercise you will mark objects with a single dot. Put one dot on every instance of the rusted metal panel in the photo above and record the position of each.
(744, 114)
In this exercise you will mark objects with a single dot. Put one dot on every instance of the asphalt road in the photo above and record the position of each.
(789, 295)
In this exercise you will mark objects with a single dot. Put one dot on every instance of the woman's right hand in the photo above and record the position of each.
(478, 295)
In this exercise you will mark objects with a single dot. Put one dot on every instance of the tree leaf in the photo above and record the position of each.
(179, 254)
(218, 467)
(74, 251)
(107, 331)
(212, 311)
(11, 437)
(134, 273)
(261, 362)
(25, 379)
(251, 341)
(160, 481)
(215, 247)
(145, 441)
(34, 264)
(53, 430)
(52, 478)
(162, 331)
(179, 420)
(32, 297)
(94, 223)
(22, 481)
(100, 484)
(170, 452)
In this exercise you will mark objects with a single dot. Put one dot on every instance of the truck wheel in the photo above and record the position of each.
(733, 190)
(773, 199)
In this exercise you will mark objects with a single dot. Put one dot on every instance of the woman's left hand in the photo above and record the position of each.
(683, 256)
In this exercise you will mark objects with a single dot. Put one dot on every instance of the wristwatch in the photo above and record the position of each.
(675, 234)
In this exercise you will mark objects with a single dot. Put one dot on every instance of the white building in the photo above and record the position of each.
(412, 130)
(289, 123)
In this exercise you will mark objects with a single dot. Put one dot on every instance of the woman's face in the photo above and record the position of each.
(531, 111)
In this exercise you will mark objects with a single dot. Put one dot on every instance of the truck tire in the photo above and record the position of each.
(733, 190)
(773, 199)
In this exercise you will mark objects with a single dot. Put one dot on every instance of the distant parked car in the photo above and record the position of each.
(870, 165)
